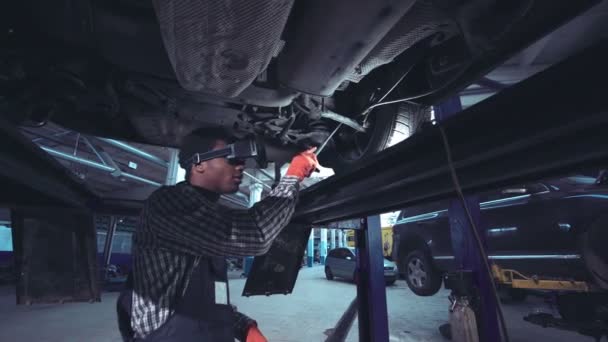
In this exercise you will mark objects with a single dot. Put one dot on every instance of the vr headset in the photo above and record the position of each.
(238, 152)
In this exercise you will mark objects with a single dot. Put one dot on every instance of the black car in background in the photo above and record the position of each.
(555, 228)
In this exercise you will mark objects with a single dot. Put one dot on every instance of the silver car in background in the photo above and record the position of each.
(341, 263)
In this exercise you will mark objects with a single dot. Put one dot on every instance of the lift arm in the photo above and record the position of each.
(548, 124)
(551, 123)
(516, 280)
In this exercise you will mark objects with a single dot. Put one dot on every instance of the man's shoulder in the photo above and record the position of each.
(165, 192)
(181, 195)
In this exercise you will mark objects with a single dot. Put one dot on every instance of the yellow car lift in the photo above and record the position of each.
(517, 280)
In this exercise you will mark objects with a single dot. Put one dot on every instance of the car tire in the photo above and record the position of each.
(420, 274)
(389, 124)
(391, 282)
(328, 273)
(594, 252)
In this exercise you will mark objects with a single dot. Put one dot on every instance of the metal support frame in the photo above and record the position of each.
(133, 150)
(76, 144)
(115, 171)
(257, 180)
(371, 289)
(267, 174)
(96, 165)
(520, 134)
(58, 134)
(110, 162)
(107, 248)
(255, 193)
(466, 253)
(93, 149)
(516, 280)
(37, 175)
(171, 178)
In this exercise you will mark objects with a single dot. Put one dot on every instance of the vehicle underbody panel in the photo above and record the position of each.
(128, 70)
(220, 47)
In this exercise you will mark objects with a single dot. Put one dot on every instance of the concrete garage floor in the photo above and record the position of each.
(314, 307)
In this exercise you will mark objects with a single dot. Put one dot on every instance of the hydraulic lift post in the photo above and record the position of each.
(466, 253)
(371, 288)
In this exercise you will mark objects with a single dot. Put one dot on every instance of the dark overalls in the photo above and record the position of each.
(200, 316)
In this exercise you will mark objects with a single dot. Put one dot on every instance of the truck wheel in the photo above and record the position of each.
(594, 251)
(420, 274)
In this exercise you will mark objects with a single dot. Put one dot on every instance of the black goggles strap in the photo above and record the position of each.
(198, 158)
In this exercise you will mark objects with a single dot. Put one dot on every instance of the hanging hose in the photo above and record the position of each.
(479, 244)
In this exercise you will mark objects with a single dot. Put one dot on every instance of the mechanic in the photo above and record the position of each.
(180, 289)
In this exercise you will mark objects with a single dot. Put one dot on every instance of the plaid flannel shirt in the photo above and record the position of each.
(178, 226)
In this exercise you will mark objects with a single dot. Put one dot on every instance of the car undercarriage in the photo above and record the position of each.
(359, 73)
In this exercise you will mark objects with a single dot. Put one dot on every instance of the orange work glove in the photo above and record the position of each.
(303, 164)
(254, 335)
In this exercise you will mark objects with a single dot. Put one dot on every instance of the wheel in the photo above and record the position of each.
(420, 274)
(391, 282)
(328, 274)
(594, 252)
(387, 125)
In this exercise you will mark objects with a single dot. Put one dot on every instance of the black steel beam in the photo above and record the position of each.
(554, 122)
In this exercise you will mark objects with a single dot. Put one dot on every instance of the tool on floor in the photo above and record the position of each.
(342, 328)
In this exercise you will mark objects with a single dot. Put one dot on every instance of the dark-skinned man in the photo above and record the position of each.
(180, 289)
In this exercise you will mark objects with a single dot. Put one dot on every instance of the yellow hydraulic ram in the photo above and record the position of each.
(515, 279)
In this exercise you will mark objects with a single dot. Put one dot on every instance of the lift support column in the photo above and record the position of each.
(371, 289)
(466, 254)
